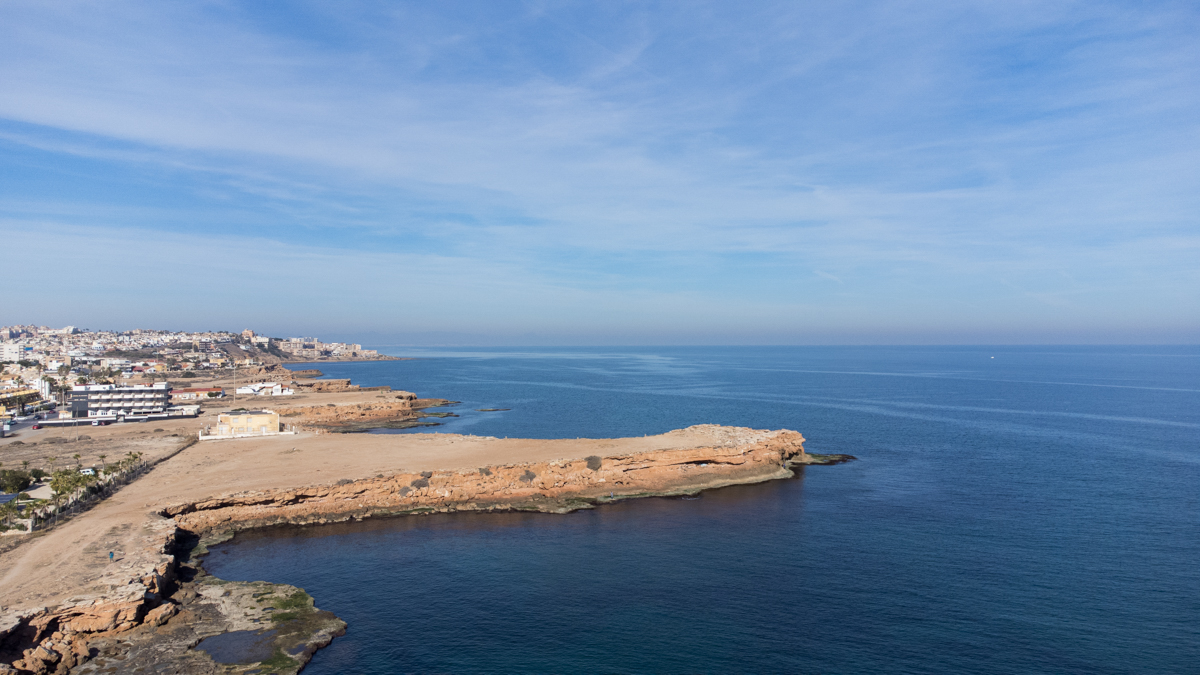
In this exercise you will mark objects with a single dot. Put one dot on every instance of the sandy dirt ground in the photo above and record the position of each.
(153, 438)
(71, 560)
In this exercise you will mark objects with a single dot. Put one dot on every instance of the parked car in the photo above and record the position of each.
(36, 427)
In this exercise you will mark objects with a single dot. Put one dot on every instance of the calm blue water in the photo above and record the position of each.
(1038, 511)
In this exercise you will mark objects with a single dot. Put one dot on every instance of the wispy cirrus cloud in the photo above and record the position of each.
(915, 153)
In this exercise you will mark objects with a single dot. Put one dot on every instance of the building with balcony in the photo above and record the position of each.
(110, 400)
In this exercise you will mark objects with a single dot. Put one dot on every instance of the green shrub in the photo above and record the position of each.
(12, 480)
(294, 601)
(527, 477)
(594, 463)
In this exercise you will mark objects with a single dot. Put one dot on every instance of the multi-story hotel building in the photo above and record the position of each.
(109, 400)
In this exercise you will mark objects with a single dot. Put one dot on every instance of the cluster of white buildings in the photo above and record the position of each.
(265, 389)
(312, 348)
(43, 344)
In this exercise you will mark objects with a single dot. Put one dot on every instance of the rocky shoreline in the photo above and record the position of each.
(398, 410)
(160, 605)
(346, 359)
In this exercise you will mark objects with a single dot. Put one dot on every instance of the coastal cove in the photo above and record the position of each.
(154, 605)
(1000, 519)
(1003, 514)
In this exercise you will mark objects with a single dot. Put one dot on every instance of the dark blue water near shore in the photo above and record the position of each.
(1038, 511)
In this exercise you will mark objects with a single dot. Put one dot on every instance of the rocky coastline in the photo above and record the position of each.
(158, 606)
(345, 359)
(397, 410)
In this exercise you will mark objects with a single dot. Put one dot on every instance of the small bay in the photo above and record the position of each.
(1012, 510)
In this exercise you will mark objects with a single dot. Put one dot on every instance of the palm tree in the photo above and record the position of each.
(103, 463)
(52, 460)
(77, 462)
(64, 372)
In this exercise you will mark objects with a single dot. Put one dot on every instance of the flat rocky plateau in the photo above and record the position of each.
(65, 608)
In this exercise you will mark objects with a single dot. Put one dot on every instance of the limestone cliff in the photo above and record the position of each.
(142, 591)
(737, 456)
(399, 409)
(55, 639)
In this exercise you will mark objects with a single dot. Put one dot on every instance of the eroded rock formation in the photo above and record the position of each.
(55, 639)
(737, 456)
(82, 634)
(399, 409)
(332, 385)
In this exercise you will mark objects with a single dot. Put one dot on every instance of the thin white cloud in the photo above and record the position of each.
(858, 140)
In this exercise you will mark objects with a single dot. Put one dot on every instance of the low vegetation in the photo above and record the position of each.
(12, 480)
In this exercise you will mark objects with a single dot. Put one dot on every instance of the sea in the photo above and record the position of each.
(1011, 510)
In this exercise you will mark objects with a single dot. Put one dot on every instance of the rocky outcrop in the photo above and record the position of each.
(258, 373)
(139, 616)
(400, 409)
(307, 373)
(736, 456)
(149, 617)
(333, 385)
(209, 607)
(55, 639)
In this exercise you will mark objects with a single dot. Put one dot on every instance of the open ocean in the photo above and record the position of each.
(1013, 510)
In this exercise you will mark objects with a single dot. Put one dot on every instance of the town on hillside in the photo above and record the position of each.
(63, 373)
(71, 401)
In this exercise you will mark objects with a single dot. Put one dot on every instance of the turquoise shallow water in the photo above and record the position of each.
(1013, 510)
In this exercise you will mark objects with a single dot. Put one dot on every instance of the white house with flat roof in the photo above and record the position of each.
(265, 389)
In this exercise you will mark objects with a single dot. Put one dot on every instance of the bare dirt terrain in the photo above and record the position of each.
(153, 440)
(71, 559)
(64, 605)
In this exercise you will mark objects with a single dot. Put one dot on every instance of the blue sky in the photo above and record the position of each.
(605, 173)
